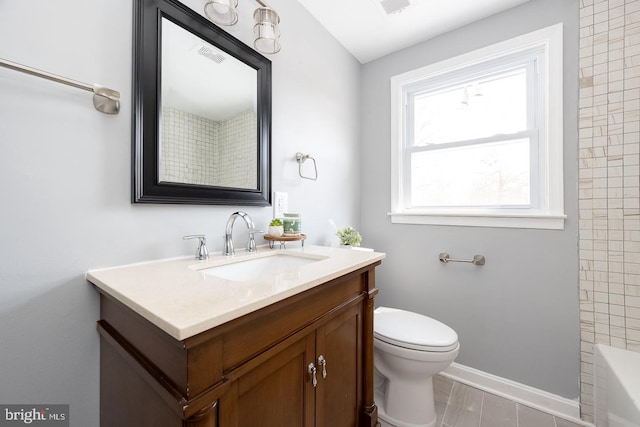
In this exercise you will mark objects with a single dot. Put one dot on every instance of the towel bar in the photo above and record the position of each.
(105, 100)
(477, 259)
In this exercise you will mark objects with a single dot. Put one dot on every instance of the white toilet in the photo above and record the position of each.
(409, 349)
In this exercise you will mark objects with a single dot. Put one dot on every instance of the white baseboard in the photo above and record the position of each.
(538, 399)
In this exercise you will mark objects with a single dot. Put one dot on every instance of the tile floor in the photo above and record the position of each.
(459, 405)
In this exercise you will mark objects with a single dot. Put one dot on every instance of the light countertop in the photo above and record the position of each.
(182, 300)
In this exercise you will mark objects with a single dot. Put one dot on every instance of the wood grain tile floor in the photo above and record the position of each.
(459, 405)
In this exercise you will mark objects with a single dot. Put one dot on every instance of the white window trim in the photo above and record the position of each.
(552, 217)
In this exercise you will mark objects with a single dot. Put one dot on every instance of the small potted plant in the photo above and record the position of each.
(349, 237)
(275, 228)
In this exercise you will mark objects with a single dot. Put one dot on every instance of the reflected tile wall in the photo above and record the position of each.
(197, 150)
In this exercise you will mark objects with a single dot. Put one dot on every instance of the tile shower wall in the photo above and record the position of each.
(200, 161)
(609, 181)
(237, 157)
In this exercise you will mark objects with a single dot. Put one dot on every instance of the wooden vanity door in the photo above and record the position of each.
(338, 396)
(276, 393)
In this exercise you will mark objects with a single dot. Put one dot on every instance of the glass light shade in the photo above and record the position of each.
(222, 12)
(266, 30)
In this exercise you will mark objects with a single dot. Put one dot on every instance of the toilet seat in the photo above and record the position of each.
(413, 331)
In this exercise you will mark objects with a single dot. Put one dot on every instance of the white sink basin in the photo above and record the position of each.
(256, 268)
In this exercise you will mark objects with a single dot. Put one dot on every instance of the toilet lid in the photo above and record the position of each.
(413, 330)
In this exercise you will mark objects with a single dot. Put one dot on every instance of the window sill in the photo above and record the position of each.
(539, 221)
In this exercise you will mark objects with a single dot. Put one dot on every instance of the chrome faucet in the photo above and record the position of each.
(201, 253)
(228, 239)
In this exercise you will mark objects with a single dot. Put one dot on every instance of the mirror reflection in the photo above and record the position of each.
(208, 123)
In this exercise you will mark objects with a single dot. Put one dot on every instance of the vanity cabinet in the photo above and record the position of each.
(314, 381)
(253, 371)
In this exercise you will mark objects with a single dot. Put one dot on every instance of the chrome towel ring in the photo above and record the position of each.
(301, 158)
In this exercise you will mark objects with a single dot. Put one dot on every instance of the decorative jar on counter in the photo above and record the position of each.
(292, 224)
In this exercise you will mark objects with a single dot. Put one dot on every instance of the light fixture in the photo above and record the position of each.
(222, 12)
(265, 30)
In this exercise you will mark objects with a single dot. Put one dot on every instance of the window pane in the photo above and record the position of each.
(478, 109)
(492, 174)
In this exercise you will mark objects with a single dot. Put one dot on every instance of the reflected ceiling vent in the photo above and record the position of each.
(210, 53)
(393, 6)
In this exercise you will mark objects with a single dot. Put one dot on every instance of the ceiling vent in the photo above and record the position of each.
(393, 6)
(210, 53)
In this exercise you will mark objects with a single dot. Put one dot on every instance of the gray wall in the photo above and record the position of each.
(65, 174)
(517, 317)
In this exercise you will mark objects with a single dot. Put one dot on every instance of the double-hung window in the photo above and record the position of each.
(477, 140)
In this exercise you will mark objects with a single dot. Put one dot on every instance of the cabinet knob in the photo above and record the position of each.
(323, 362)
(312, 370)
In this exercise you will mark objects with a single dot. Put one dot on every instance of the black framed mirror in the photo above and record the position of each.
(201, 111)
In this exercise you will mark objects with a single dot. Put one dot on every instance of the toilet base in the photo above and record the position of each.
(388, 421)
